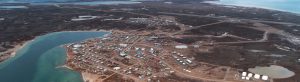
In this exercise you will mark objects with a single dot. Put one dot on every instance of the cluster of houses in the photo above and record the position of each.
(181, 59)
(91, 55)
(151, 21)
(249, 76)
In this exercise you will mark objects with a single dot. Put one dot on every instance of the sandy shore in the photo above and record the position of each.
(18, 47)
(12, 52)
(94, 30)
(88, 77)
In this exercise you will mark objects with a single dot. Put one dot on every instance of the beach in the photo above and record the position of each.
(88, 77)
(42, 60)
(12, 52)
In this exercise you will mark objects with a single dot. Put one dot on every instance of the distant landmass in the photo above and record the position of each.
(41, 1)
(281, 5)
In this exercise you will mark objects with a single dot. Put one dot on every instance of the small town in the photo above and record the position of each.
(149, 41)
(146, 57)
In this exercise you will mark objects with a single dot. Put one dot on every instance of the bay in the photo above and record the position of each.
(281, 5)
(38, 60)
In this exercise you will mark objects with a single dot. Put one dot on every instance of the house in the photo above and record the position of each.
(181, 46)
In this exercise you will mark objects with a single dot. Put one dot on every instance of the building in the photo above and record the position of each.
(189, 61)
(151, 50)
(181, 46)
(250, 75)
(76, 46)
(86, 17)
(264, 77)
(256, 76)
(244, 74)
(117, 68)
(123, 54)
(139, 52)
(123, 45)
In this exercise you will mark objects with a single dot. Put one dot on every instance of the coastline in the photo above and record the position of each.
(86, 77)
(253, 6)
(10, 53)
(243, 22)
(19, 47)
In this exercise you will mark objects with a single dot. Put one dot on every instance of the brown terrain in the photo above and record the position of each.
(159, 42)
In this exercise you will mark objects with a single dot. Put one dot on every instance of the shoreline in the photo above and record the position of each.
(253, 6)
(12, 52)
(86, 77)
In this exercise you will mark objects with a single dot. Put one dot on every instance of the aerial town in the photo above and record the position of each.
(148, 57)
(159, 56)
(153, 42)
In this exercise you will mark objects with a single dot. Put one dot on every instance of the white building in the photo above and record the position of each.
(247, 78)
(81, 18)
(123, 45)
(244, 74)
(250, 75)
(264, 77)
(151, 50)
(77, 46)
(181, 46)
(117, 68)
(189, 61)
(123, 54)
(243, 77)
(256, 76)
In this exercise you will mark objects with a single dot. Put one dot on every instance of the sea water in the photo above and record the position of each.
(281, 5)
(39, 60)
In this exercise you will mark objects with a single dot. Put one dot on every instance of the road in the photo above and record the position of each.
(164, 53)
(252, 20)
(196, 27)
(227, 72)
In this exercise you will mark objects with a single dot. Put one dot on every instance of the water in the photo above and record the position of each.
(282, 5)
(92, 3)
(38, 1)
(77, 2)
(105, 2)
(38, 60)
(12, 7)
